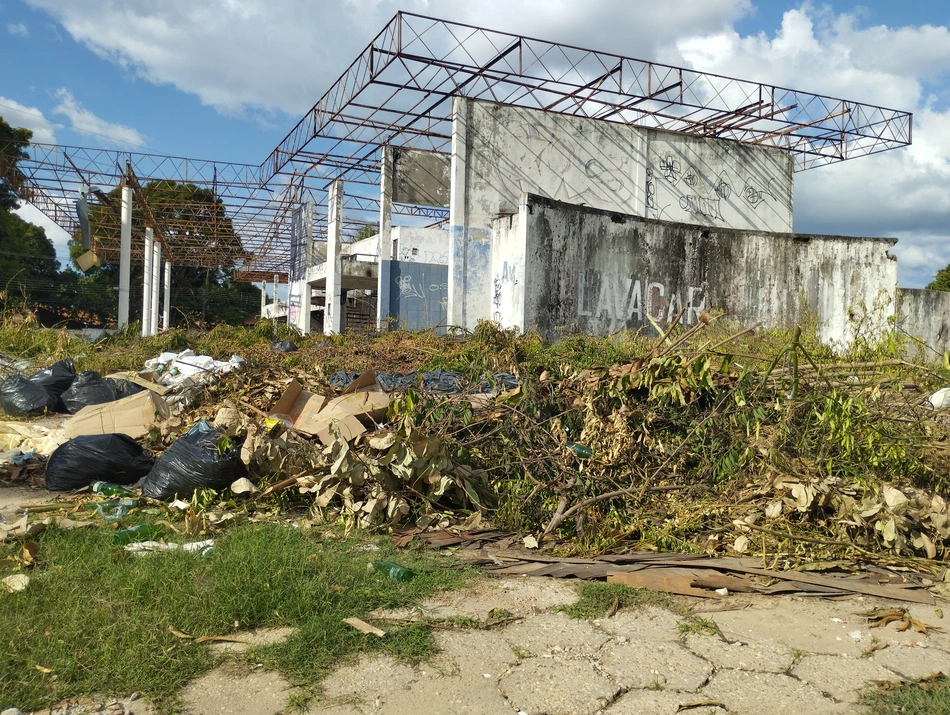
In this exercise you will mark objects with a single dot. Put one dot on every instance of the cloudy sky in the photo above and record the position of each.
(226, 79)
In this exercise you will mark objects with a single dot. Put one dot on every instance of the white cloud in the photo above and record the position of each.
(88, 123)
(19, 115)
(898, 193)
(267, 57)
(18, 28)
(239, 55)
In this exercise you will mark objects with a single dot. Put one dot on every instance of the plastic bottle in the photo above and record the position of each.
(110, 489)
(394, 571)
(139, 532)
(582, 451)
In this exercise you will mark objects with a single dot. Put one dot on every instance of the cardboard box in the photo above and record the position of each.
(132, 415)
(359, 406)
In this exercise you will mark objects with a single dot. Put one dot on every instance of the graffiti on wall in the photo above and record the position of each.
(504, 284)
(415, 295)
(626, 299)
(675, 186)
(408, 254)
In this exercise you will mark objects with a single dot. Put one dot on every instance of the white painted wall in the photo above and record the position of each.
(508, 250)
(421, 245)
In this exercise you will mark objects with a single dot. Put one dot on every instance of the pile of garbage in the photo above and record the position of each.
(686, 448)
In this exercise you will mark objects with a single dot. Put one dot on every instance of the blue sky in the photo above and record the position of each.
(226, 79)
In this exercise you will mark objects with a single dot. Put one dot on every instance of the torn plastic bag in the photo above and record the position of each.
(111, 457)
(283, 346)
(206, 460)
(89, 388)
(123, 388)
(56, 378)
(342, 379)
(20, 396)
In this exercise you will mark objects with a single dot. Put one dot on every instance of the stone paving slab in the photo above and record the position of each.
(648, 624)
(841, 678)
(656, 702)
(436, 694)
(638, 664)
(555, 633)
(557, 686)
(740, 656)
(914, 662)
(368, 679)
(228, 691)
(767, 694)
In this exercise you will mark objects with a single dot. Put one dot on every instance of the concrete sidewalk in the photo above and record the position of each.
(774, 655)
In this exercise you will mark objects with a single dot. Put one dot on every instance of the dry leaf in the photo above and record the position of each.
(530, 542)
(30, 550)
(742, 544)
(40, 668)
(15, 583)
(180, 634)
(218, 639)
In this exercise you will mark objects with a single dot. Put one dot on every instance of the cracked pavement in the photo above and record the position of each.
(771, 655)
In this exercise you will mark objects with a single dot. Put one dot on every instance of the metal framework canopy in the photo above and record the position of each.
(399, 92)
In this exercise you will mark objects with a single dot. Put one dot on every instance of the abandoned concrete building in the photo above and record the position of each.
(455, 174)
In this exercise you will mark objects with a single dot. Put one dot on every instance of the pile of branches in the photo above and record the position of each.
(689, 447)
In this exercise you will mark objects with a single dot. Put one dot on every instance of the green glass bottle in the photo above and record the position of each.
(393, 571)
(139, 532)
(110, 489)
(582, 451)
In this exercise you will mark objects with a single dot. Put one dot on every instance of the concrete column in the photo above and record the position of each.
(276, 298)
(332, 312)
(385, 250)
(263, 297)
(166, 312)
(147, 284)
(303, 289)
(125, 255)
(156, 282)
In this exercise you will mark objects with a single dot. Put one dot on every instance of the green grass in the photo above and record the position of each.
(595, 599)
(98, 617)
(930, 698)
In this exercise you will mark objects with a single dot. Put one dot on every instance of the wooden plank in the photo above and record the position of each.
(669, 580)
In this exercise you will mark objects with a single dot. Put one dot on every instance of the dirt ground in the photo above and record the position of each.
(770, 655)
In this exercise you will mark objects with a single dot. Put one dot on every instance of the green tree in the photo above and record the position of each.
(28, 265)
(942, 280)
(195, 225)
(13, 144)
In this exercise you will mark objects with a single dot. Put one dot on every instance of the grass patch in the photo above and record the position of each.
(931, 697)
(596, 599)
(98, 617)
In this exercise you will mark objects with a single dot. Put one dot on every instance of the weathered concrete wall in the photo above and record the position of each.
(717, 183)
(925, 316)
(601, 272)
(414, 295)
(421, 178)
(421, 245)
(500, 152)
(508, 247)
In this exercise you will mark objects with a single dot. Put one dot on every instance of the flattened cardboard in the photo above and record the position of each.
(314, 414)
(132, 415)
(137, 379)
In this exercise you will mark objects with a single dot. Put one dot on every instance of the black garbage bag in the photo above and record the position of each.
(89, 388)
(195, 461)
(342, 379)
(123, 388)
(20, 396)
(283, 346)
(56, 378)
(108, 457)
